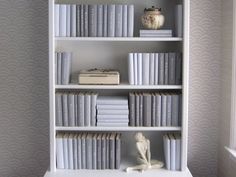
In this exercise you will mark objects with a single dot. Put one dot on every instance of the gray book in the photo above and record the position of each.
(100, 21)
(89, 157)
(140, 109)
(125, 20)
(151, 69)
(178, 74)
(139, 56)
(166, 143)
(156, 69)
(92, 20)
(112, 107)
(65, 109)
(112, 112)
(105, 34)
(131, 109)
(103, 160)
(76, 108)
(86, 20)
(175, 110)
(78, 22)
(75, 152)
(118, 151)
(81, 109)
(57, 19)
(99, 151)
(137, 110)
(180, 110)
(73, 20)
(178, 152)
(168, 110)
(59, 151)
(83, 150)
(87, 109)
(118, 20)
(130, 20)
(172, 68)
(153, 102)
(147, 109)
(66, 69)
(107, 151)
(163, 109)
(65, 151)
(179, 20)
(79, 151)
(93, 109)
(82, 33)
(111, 20)
(94, 151)
(70, 152)
(59, 68)
(145, 69)
(166, 69)
(55, 66)
(68, 20)
(71, 112)
(59, 120)
(158, 110)
(112, 100)
(112, 150)
(62, 22)
(161, 68)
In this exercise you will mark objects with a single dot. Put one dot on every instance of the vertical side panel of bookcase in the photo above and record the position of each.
(186, 8)
(52, 86)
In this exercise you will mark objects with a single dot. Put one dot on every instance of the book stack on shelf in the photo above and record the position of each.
(88, 150)
(172, 151)
(112, 20)
(155, 33)
(155, 68)
(155, 109)
(75, 109)
(112, 111)
(63, 62)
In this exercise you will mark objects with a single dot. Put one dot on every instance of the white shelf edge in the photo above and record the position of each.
(121, 86)
(154, 39)
(118, 128)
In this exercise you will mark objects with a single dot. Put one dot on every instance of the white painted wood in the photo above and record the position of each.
(121, 86)
(127, 129)
(52, 86)
(118, 173)
(186, 8)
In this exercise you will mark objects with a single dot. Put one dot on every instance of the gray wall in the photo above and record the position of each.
(24, 87)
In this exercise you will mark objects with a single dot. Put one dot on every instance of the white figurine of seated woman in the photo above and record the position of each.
(144, 155)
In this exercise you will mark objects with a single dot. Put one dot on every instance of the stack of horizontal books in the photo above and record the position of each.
(155, 33)
(112, 111)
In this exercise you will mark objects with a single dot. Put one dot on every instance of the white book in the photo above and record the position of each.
(87, 110)
(178, 152)
(111, 20)
(167, 151)
(73, 15)
(156, 35)
(125, 21)
(68, 20)
(66, 67)
(164, 31)
(65, 151)
(112, 100)
(111, 112)
(118, 20)
(112, 125)
(130, 20)
(100, 21)
(105, 23)
(111, 117)
(131, 68)
(55, 67)
(59, 152)
(79, 151)
(112, 107)
(62, 17)
(145, 74)
(172, 152)
(70, 152)
(156, 69)
(112, 121)
(56, 20)
(140, 66)
(135, 69)
(75, 151)
(151, 69)
(179, 20)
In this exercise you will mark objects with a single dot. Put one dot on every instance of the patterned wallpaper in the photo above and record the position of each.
(24, 88)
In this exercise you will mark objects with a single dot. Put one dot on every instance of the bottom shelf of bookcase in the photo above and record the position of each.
(118, 173)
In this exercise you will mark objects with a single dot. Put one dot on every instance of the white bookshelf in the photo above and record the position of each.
(107, 53)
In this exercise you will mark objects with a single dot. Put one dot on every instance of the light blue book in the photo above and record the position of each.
(113, 116)
(107, 151)
(125, 20)
(178, 152)
(153, 123)
(87, 110)
(59, 68)
(70, 151)
(137, 110)
(100, 21)
(112, 107)
(99, 151)
(57, 20)
(111, 151)
(158, 110)
(68, 20)
(89, 157)
(76, 108)
(132, 109)
(65, 151)
(112, 124)
(131, 68)
(93, 109)
(75, 151)
(83, 144)
(118, 20)
(175, 110)
(112, 112)
(82, 26)
(79, 151)
(166, 142)
(111, 20)
(94, 151)
(118, 150)
(105, 22)
(103, 160)
(73, 20)
(140, 109)
(59, 119)
(130, 20)
(71, 112)
(59, 152)
(62, 23)
(172, 152)
(112, 100)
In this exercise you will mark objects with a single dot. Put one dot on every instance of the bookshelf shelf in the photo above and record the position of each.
(98, 129)
(120, 39)
(121, 86)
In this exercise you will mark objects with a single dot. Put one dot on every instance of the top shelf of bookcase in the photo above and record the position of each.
(121, 39)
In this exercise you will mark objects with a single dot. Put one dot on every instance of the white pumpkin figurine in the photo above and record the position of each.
(152, 18)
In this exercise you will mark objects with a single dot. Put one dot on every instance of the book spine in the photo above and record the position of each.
(76, 108)
(112, 112)
(151, 69)
(140, 65)
(68, 20)
(70, 153)
(65, 110)
(65, 152)
(137, 110)
(111, 20)
(89, 152)
(161, 68)
(163, 109)
(93, 109)
(158, 110)
(105, 34)
(71, 101)
(82, 26)
(94, 153)
(86, 20)
(57, 20)
(174, 107)
(112, 107)
(59, 120)
(117, 151)
(135, 69)
(153, 117)
(145, 74)
(73, 20)
(172, 153)
(166, 69)
(99, 153)
(62, 22)
(130, 20)
(125, 21)
(107, 166)
(83, 144)
(168, 110)
(147, 110)
(179, 20)
(79, 150)
(178, 69)
(140, 110)
(55, 66)
(92, 20)
(59, 153)
(75, 153)
(100, 21)
(156, 75)
(131, 68)
(81, 110)
(112, 153)
(103, 153)
(87, 110)
(132, 109)
(78, 34)
(172, 68)
(118, 20)
(59, 68)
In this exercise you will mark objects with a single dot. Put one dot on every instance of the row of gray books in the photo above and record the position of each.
(155, 109)
(108, 20)
(155, 33)
(63, 62)
(172, 151)
(112, 111)
(88, 150)
(155, 68)
(75, 108)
